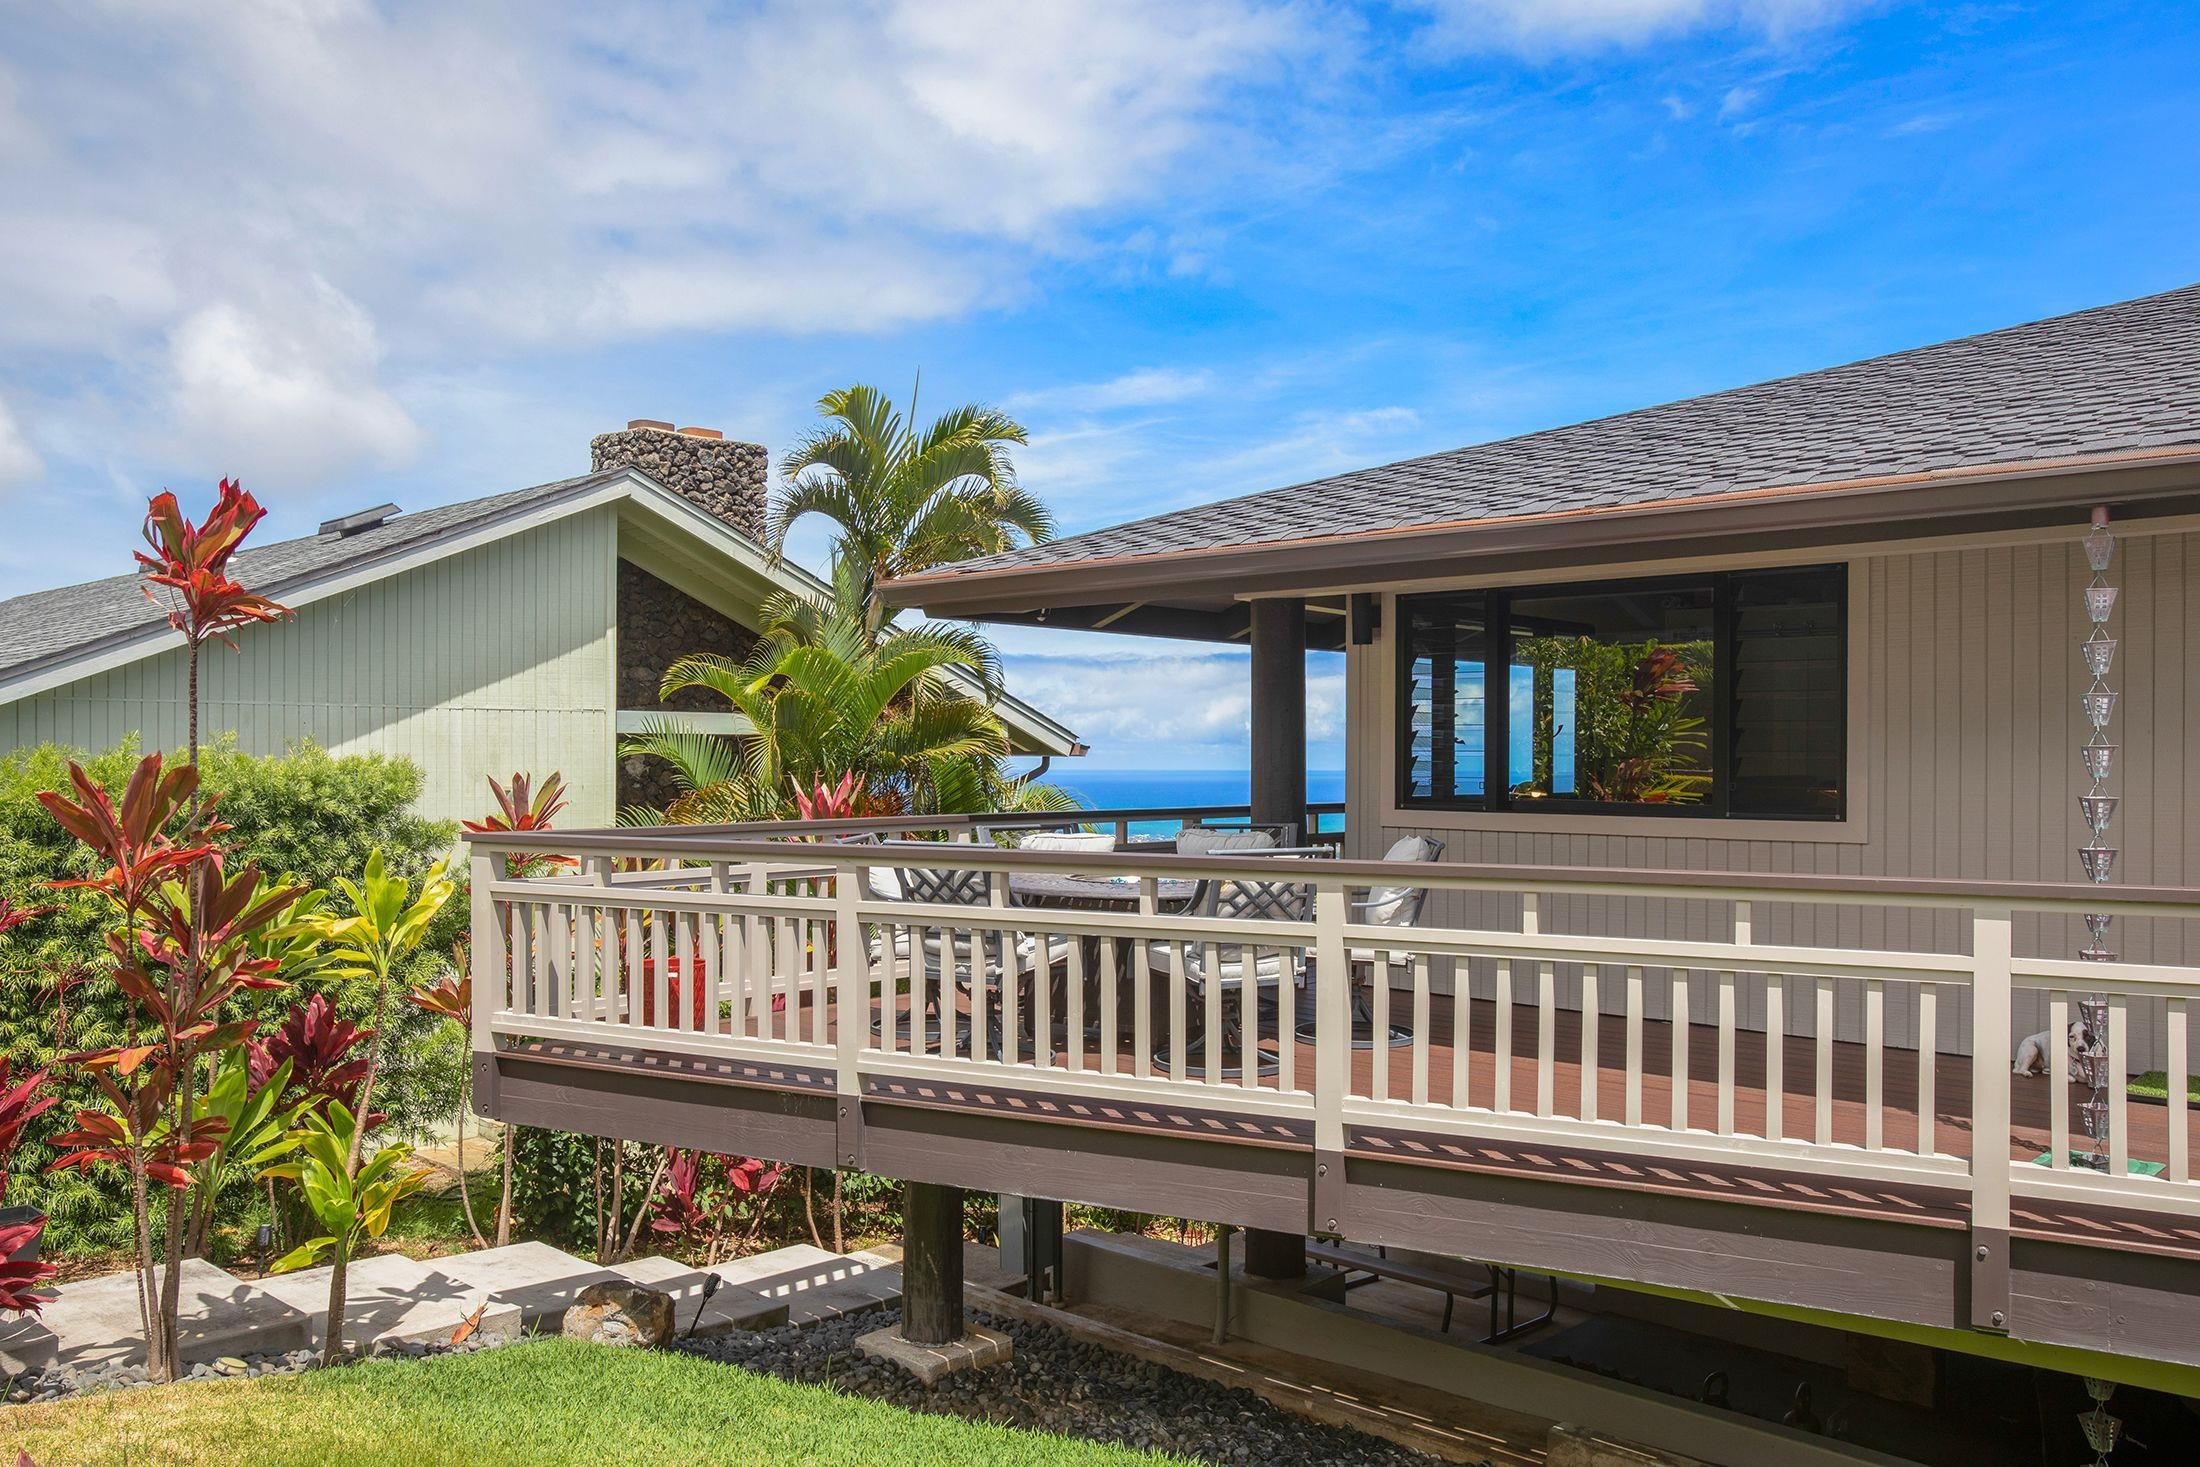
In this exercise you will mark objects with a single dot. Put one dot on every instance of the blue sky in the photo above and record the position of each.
(355, 252)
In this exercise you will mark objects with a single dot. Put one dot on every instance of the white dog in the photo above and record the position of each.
(2032, 1053)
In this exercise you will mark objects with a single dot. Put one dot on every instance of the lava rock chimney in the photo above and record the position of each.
(724, 478)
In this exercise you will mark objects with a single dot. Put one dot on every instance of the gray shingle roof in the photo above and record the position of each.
(48, 624)
(2107, 380)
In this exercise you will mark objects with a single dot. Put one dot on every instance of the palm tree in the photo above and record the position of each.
(826, 691)
(904, 501)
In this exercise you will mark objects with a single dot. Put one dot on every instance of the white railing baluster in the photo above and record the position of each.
(686, 991)
(1501, 1043)
(2058, 1079)
(1287, 1038)
(1875, 1016)
(1110, 996)
(1775, 1057)
(1726, 1053)
(1178, 1024)
(1928, 1066)
(1822, 1043)
(1421, 1039)
(1142, 1012)
(1073, 1004)
(630, 967)
(1248, 1000)
(1676, 1044)
(1592, 1017)
(1210, 1016)
(2176, 1072)
(1462, 1028)
(658, 1014)
(1530, 924)
(1378, 1069)
(1634, 1046)
(2119, 1085)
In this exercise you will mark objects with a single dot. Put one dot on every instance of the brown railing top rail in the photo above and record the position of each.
(762, 841)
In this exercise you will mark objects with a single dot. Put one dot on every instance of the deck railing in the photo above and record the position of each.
(786, 944)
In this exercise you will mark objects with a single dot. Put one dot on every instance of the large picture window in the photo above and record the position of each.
(1712, 695)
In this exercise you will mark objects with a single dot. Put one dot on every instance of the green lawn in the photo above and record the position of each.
(545, 1402)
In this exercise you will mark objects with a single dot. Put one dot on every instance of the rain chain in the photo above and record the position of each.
(2089, 1048)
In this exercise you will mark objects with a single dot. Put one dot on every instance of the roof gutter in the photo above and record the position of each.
(1952, 498)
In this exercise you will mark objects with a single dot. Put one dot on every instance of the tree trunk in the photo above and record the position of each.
(465, 1191)
(809, 1204)
(504, 1203)
(332, 1344)
(837, 1246)
(641, 1213)
(931, 1264)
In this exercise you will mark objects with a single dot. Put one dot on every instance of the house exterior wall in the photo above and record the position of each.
(1964, 730)
(486, 662)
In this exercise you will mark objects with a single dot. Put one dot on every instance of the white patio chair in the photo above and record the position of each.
(1271, 971)
(974, 960)
(1384, 906)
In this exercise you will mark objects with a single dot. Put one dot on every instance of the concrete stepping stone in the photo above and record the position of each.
(814, 1284)
(730, 1306)
(535, 1278)
(390, 1299)
(96, 1322)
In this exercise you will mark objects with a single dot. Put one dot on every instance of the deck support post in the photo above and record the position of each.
(931, 1264)
(1279, 797)
(1991, 948)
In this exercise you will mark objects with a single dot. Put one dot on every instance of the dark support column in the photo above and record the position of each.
(1279, 794)
(931, 1263)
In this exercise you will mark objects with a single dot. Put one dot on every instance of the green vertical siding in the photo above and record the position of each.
(496, 660)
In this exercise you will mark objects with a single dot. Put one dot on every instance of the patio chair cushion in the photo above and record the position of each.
(1067, 840)
(1394, 905)
(1199, 840)
(1269, 966)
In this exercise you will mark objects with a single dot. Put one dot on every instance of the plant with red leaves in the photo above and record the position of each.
(842, 800)
(522, 808)
(327, 1054)
(182, 946)
(192, 561)
(19, 1104)
(708, 1194)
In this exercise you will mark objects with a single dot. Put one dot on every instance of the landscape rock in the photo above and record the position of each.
(621, 1313)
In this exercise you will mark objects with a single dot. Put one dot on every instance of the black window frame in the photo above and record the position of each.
(1494, 604)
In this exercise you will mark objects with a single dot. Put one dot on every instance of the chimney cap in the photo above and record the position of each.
(648, 423)
(701, 433)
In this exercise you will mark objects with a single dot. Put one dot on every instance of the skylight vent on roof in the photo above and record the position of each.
(365, 519)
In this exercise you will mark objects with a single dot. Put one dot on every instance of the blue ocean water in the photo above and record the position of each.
(1132, 789)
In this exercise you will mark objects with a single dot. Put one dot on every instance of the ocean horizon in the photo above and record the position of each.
(1136, 789)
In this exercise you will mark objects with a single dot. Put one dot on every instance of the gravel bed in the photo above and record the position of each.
(52, 1385)
(1065, 1386)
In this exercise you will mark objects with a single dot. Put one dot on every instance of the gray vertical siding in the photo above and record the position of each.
(494, 660)
(1968, 767)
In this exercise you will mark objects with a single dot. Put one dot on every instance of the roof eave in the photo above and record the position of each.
(1950, 500)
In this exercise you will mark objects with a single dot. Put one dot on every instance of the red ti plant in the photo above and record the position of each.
(522, 808)
(180, 948)
(708, 1194)
(19, 1104)
(327, 1057)
(192, 561)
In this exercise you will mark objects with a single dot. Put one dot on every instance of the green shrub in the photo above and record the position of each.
(306, 816)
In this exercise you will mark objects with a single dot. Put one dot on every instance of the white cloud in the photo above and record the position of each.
(285, 391)
(19, 462)
(1146, 387)
(1549, 26)
(446, 183)
(1170, 697)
